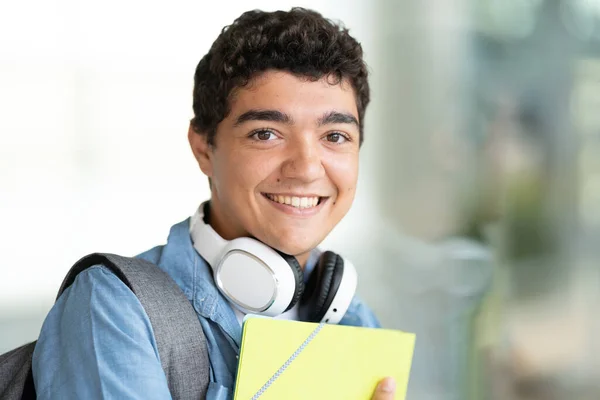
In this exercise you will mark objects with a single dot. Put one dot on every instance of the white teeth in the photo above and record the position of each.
(294, 201)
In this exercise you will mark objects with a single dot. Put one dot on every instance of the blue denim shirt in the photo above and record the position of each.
(97, 341)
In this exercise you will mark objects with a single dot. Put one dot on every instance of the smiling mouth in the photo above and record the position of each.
(296, 201)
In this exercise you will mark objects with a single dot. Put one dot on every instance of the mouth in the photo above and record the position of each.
(298, 202)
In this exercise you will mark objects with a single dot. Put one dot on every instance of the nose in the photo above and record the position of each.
(303, 161)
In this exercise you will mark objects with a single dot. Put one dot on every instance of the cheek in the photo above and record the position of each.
(263, 166)
(243, 171)
(343, 171)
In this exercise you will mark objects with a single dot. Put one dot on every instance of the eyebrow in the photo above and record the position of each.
(335, 117)
(264, 115)
(331, 117)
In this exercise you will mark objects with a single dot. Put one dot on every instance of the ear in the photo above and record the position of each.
(201, 149)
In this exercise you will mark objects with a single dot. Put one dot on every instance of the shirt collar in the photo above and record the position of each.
(181, 261)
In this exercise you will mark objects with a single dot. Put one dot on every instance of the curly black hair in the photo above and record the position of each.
(299, 41)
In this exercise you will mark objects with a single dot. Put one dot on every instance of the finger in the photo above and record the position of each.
(385, 390)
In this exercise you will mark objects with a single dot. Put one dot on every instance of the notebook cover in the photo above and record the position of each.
(340, 362)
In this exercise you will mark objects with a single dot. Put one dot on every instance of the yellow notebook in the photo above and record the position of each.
(282, 359)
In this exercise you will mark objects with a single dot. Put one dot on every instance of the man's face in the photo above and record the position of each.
(284, 166)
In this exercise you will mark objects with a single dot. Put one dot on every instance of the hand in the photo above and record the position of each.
(385, 390)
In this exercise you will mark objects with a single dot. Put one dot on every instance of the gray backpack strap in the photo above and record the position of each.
(177, 330)
(16, 380)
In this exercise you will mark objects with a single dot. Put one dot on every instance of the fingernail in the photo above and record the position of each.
(388, 385)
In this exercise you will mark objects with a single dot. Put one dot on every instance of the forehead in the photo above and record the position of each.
(293, 94)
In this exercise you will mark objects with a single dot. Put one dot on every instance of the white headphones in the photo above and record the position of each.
(260, 280)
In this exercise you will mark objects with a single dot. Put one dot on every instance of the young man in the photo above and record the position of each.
(279, 103)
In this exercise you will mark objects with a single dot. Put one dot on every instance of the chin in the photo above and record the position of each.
(293, 240)
(289, 249)
(294, 247)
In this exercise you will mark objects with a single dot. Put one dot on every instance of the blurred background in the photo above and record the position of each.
(477, 215)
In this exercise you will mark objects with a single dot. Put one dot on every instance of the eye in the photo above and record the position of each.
(263, 135)
(337, 137)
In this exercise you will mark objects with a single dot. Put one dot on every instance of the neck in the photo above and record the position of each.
(215, 219)
(303, 259)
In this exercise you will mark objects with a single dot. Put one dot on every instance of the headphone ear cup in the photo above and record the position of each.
(298, 276)
(322, 286)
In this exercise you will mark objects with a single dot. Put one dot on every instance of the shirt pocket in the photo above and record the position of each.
(217, 391)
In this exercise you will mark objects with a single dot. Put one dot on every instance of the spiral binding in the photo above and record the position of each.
(289, 361)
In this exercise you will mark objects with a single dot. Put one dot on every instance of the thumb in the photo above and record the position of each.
(385, 390)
